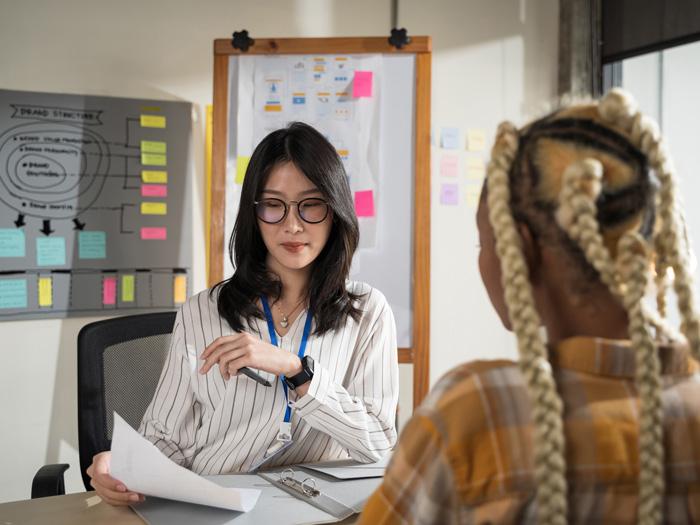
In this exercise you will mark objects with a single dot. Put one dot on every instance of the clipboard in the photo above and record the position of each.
(275, 505)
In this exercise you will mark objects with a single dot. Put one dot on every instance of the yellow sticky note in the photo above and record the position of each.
(180, 289)
(241, 166)
(153, 159)
(473, 195)
(128, 285)
(476, 140)
(475, 168)
(154, 177)
(45, 291)
(154, 208)
(153, 146)
(152, 121)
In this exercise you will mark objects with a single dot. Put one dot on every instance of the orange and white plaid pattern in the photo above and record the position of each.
(466, 456)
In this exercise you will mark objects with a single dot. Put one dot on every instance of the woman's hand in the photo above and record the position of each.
(109, 489)
(233, 352)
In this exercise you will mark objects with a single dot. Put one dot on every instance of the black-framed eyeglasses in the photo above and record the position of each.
(312, 210)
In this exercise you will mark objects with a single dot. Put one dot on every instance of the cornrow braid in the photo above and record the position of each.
(576, 215)
(620, 110)
(550, 463)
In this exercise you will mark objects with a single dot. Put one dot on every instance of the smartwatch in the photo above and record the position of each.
(306, 374)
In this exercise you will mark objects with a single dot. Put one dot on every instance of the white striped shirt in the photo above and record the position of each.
(213, 426)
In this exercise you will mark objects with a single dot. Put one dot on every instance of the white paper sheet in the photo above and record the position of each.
(138, 464)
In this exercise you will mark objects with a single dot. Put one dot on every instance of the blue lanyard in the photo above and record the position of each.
(273, 340)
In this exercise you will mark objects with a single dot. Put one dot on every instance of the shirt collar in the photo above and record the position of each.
(609, 357)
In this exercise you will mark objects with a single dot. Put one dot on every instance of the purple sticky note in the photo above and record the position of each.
(449, 165)
(449, 194)
(362, 84)
(364, 203)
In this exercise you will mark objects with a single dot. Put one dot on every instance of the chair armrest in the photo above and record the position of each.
(48, 481)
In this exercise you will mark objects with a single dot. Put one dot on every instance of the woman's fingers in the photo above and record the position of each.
(115, 497)
(221, 350)
(216, 343)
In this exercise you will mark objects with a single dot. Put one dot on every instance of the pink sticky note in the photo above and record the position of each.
(364, 203)
(362, 84)
(449, 194)
(449, 165)
(154, 234)
(109, 290)
(154, 190)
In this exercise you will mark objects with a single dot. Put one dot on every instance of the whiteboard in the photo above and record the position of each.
(388, 265)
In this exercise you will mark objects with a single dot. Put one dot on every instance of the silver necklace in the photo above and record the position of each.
(284, 321)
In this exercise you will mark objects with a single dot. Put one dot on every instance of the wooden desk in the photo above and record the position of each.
(82, 508)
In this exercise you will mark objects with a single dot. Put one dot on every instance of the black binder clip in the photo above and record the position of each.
(399, 38)
(241, 40)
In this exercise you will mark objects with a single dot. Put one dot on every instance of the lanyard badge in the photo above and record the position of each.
(284, 434)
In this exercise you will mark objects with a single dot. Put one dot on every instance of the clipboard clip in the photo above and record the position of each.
(305, 490)
(307, 487)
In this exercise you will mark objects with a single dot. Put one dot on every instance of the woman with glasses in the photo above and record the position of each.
(288, 318)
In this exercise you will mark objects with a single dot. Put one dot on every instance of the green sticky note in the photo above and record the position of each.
(13, 293)
(11, 242)
(92, 245)
(153, 146)
(153, 159)
(50, 251)
(128, 285)
(241, 166)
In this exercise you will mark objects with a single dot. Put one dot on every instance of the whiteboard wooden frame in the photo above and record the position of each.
(419, 353)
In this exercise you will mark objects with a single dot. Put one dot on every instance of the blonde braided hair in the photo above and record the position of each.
(627, 280)
(619, 109)
(625, 271)
(550, 464)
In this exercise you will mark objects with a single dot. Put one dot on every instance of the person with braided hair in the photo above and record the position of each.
(599, 420)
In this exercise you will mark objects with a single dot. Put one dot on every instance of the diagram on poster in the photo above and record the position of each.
(93, 204)
(336, 94)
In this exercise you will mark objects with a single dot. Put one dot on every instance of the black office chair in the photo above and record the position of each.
(119, 363)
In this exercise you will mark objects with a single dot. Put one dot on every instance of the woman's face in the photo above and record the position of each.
(490, 264)
(293, 243)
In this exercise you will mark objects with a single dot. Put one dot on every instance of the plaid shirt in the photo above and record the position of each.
(466, 456)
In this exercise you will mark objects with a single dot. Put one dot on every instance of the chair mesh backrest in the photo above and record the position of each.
(119, 363)
(131, 371)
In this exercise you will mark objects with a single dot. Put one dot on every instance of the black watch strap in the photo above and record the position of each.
(306, 374)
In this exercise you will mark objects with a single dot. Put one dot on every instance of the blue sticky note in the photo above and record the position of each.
(449, 138)
(50, 251)
(13, 293)
(11, 242)
(92, 245)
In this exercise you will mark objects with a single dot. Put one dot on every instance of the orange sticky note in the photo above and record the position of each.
(364, 203)
(179, 289)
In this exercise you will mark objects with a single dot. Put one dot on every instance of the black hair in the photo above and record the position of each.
(328, 296)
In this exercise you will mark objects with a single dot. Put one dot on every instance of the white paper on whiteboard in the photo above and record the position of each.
(138, 464)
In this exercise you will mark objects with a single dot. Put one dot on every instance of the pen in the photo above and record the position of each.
(255, 377)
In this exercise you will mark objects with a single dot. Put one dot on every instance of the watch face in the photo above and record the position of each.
(308, 364)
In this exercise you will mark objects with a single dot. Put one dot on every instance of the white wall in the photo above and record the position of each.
(493, 59)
